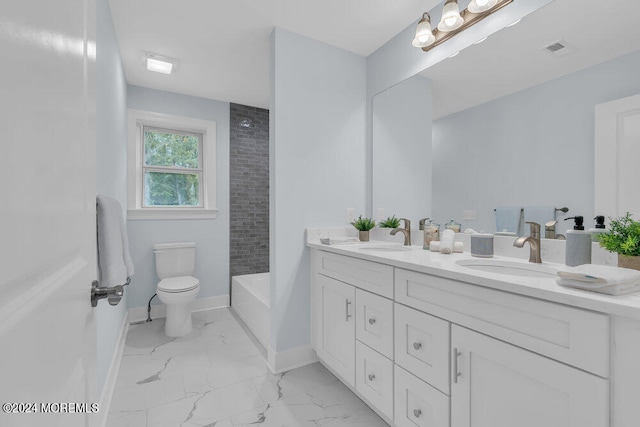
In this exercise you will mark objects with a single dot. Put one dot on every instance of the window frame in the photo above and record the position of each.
(137, 120)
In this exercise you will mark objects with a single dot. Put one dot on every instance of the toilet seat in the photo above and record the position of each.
(178, 284)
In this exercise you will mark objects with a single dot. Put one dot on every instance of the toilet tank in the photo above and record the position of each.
(175, 259)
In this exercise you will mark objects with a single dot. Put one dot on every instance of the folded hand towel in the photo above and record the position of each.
(601, 278)
(540, 215)
(600, 274)
(114, 260)
(508, 219)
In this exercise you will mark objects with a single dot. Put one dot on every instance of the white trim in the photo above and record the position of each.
(286, 360)
(138, 314)
(112, 375)
(136, 119)
(171, 213)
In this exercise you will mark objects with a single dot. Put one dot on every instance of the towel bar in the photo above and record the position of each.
(113, 294)
(565, 210)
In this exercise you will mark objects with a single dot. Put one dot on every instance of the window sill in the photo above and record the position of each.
(175, 213)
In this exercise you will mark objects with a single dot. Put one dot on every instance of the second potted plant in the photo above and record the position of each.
(363, 225)
(624, 239)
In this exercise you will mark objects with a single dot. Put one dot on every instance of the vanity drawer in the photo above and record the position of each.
(416, 403)
(374, 322)
(374, 378)
(422, 345)
(575, 336)
(370, 276)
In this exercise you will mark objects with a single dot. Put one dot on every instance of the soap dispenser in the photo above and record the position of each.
(599, 228)
(578, 248)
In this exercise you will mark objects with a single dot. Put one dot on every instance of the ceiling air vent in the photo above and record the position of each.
(559, 48)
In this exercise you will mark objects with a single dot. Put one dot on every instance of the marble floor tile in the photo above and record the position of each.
(217, 376)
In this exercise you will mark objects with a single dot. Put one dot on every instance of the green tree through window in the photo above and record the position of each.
(172, 167)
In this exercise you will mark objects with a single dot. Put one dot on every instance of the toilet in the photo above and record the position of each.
(177, 289)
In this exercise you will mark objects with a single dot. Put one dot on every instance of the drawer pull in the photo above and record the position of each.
(346, 309)
(417, 413)
(372, 377)
(456, 374)
(417, 345)
(372, 320)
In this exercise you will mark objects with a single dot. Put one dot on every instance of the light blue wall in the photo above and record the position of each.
(534, 147)
(402, 150)
(317, 148)
(211, 236)
(111, 141)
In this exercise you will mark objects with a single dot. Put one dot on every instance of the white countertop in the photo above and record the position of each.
(435, 263)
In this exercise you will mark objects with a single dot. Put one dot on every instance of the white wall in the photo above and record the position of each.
(402, 150)
(534, 147)
(211, 236)
(111, 93)
(317, 125)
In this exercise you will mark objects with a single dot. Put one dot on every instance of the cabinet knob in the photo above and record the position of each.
(372, 377)
(417, 413)
(372, 320)
(417, 345)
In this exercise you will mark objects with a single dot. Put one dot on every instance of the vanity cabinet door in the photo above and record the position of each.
(495, 384)
(336, 335)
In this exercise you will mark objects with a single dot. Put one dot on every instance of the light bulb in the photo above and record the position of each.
(451, 19)
(479, 6)
(424, 35)
(482, 3)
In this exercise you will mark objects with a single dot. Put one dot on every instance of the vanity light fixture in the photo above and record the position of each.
(424, 34)
(453, 21)
(159, 64)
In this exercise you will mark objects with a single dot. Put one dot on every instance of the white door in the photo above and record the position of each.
(495, 384)
(47, 212)
(338, 336)
(617, 150)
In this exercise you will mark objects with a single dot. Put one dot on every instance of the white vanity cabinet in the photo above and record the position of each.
(335, 323)
(352, 324)
(445, 353)
(496, 384)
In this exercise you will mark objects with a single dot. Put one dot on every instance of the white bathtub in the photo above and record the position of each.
(251, 302)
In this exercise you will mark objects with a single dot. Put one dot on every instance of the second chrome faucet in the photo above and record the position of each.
(406, 231)
(534, 242)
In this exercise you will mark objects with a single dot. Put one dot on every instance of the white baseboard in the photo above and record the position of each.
(283, 361)
(138, 314)
(112, 375)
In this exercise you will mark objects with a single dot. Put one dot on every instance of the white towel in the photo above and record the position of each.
(114, 260)
(601, 278)
(540, 215)
(508, 219)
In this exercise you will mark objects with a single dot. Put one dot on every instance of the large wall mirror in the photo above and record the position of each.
(506, 122)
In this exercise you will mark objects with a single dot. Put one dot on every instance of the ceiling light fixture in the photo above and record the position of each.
(424, 33)
(453, 21)
(159, 64)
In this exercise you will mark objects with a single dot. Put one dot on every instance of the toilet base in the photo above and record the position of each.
(178, 321)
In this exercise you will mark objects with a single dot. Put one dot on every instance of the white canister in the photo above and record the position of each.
(482, 245)
(447, 240)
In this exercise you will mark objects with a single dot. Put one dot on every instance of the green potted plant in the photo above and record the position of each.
(391, 222)
(363, 225)
(623, 238)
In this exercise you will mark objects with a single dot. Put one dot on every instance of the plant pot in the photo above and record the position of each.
(363, 235)
(627, 261)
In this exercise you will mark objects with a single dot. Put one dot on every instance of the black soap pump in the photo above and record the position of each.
(578, 246)
(599, 228)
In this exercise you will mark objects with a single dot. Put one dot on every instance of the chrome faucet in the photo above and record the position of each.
(407, 235)
(534, 242)
(422, 222)
(407, 227)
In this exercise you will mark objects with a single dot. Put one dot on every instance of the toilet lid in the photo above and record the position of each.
(178, 284)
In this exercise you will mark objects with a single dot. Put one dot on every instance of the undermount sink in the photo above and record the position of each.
(386, 248)
(511, 268)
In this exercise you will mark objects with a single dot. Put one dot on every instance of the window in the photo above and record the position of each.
(171, 163)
